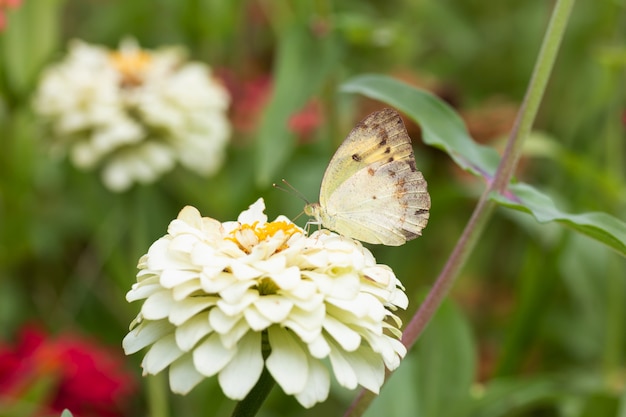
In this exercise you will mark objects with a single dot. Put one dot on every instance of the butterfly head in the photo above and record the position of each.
(321, 216)
(313, 210)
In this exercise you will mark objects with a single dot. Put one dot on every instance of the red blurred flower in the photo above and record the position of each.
(4, 5)
(304, 122)
(248, 99)
(82, 376)
(250, 96)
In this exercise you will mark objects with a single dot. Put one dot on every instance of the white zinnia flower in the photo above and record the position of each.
(134, 113)
(214, 293)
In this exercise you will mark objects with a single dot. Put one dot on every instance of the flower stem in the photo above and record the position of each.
(485, 206)
(157, 395)
(482, 212)
(534, 94)
(249, 406)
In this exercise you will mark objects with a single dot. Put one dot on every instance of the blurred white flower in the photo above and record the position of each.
(134, 113)
(217, 296)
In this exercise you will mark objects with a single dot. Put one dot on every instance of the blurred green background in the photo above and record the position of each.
(536, 325)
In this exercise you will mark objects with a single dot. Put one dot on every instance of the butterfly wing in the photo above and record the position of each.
(372, 190)
(371, 141)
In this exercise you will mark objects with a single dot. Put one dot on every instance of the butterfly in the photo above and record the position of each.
(372, 190)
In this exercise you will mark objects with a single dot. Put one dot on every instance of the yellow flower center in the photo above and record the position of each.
(131, 64)
(262, 232)
(270, 229)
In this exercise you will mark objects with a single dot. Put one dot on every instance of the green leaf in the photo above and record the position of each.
(397, 397)
(446, 363)
(303, 63)
(67, 413)
(600, 226)
(441, 125)
(503, 397)
(31, 36)
(622, 405)
(601, 404)
(582, 392)
(435, 379)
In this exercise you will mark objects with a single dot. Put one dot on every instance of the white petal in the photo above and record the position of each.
(390, 349)
(185, 224)
(322, 280)
(307, 325)
(183, 375)
(116, 175)
(288, 278)
(369, 368)
(319, 347)
(288, 361)
(182, 291)
(317, 386)
(379, 274)
(161, 354)
(305, 296)
(318, 258)
(254, 213)
(212, 229)
(160, 257)
(400, 349)
(185, 309)
(210, 356)
(345, 286)
(216, 267)
(400, 299)
(345, 336)
(190, 332)
(342, 369)
(173, 277)
(190, 216)
(183, 243)
(359, 307)
(203, 254)
(231, 338)
(255, 320)
(240, 375)
(221, 322)
(158, 305)
(212, 284)
(268, 248)
(145, 334)
(233, 306)
(275, 264)
(275, 307)
(244, 272)
(139, 292)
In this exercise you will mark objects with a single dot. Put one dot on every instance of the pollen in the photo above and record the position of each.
(270, 229)
(263, 232)
(131, 65)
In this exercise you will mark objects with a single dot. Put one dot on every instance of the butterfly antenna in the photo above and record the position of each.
(291, 190)
(298, 216)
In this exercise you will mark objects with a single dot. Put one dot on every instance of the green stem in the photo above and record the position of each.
(482, 212)
(613, 354)
(615, 344)
(534, 94)
(484, 208)
(157, 395)
(249, 406)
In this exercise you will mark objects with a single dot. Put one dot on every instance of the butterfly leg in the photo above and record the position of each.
(307, 226)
